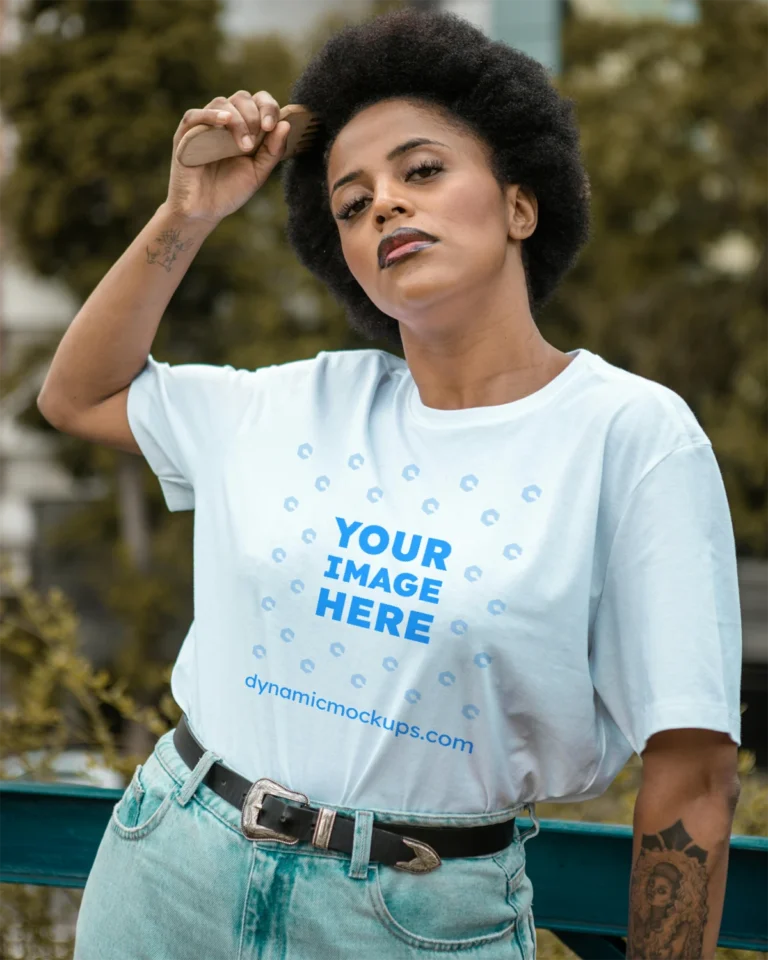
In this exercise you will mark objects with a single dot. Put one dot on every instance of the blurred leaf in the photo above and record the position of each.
(673, 285)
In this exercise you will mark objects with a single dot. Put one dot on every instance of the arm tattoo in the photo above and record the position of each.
(668, 898)
(169, 250)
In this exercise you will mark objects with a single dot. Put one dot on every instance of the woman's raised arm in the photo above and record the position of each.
(107, 344)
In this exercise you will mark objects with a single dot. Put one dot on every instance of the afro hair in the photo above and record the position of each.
(499, 94)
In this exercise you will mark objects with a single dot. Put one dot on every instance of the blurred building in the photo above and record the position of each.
(681, 11)
(531, 27)
(534, 25)
(293, 18)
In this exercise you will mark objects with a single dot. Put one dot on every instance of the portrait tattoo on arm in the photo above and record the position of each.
(170, 247)
(668, 897)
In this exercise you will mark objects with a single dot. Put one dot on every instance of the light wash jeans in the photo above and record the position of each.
(175, 879)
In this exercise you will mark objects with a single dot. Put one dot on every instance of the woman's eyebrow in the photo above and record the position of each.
(398, 151)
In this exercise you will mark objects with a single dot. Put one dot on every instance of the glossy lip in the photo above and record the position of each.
(399, 238)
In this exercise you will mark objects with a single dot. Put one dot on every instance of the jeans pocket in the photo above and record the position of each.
(145, 802)
(465, 903)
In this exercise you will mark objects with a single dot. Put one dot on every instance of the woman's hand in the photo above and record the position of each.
(214, 190)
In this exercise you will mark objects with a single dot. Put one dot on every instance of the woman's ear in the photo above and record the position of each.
(523, 210)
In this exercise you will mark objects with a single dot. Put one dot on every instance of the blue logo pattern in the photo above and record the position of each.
(259, 652)
(459, 627)
(489, 517)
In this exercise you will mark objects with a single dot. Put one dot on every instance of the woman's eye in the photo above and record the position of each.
(347, 209)
(426, 167)
(352, 207)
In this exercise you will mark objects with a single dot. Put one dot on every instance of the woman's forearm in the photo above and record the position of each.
(680, 863)
(110, 338)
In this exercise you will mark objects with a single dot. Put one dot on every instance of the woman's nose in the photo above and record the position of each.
(395, 211)
(386, 205)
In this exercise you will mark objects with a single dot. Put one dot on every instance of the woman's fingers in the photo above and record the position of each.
(251, 119)
(248, 116)
(269, 109)
(276, 139)
(216, 109)
(215, 116)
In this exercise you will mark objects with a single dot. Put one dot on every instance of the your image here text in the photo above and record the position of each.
(367, 613)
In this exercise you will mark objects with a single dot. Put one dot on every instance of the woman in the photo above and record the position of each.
(428, 593)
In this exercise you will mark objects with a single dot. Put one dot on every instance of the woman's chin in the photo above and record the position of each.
(417, 289)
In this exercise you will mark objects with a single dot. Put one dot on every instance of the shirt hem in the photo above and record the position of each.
(687, 714)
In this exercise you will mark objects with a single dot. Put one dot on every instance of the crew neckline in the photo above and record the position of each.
(495, 413)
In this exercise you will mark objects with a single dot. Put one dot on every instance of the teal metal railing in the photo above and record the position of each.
(49, 834)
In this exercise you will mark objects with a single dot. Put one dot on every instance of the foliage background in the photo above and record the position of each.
(679, 184)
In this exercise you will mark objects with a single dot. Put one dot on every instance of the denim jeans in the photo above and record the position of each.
(175, 879)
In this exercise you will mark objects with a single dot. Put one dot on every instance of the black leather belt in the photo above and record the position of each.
(271, 811)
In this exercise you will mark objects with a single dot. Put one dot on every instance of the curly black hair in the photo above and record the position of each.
(498, 94)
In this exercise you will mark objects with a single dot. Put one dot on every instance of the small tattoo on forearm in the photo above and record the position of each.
(668, 899)
(170, 247)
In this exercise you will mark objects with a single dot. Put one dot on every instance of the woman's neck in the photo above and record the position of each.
(481, 363)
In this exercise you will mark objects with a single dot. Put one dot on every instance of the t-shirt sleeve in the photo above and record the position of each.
(181, 416)
(665, 646)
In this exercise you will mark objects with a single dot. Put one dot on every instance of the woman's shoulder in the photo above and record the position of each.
(336, 362)
(331, 380)
(368, 359)
(334, 375)
(636, 406)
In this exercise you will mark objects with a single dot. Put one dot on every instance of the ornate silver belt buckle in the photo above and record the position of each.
(252, 808)
(425, 861)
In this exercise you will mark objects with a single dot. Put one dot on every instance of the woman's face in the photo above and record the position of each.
(381, 179)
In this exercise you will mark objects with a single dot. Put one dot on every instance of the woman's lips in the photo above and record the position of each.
(405, 249)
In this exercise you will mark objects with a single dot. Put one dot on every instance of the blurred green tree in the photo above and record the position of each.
(673, 286)
(96, 91)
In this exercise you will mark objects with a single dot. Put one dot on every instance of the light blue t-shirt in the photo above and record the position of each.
(417, 610)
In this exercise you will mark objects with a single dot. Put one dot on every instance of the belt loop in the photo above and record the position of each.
(361, 848)
(533, 831)
(194, 779)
